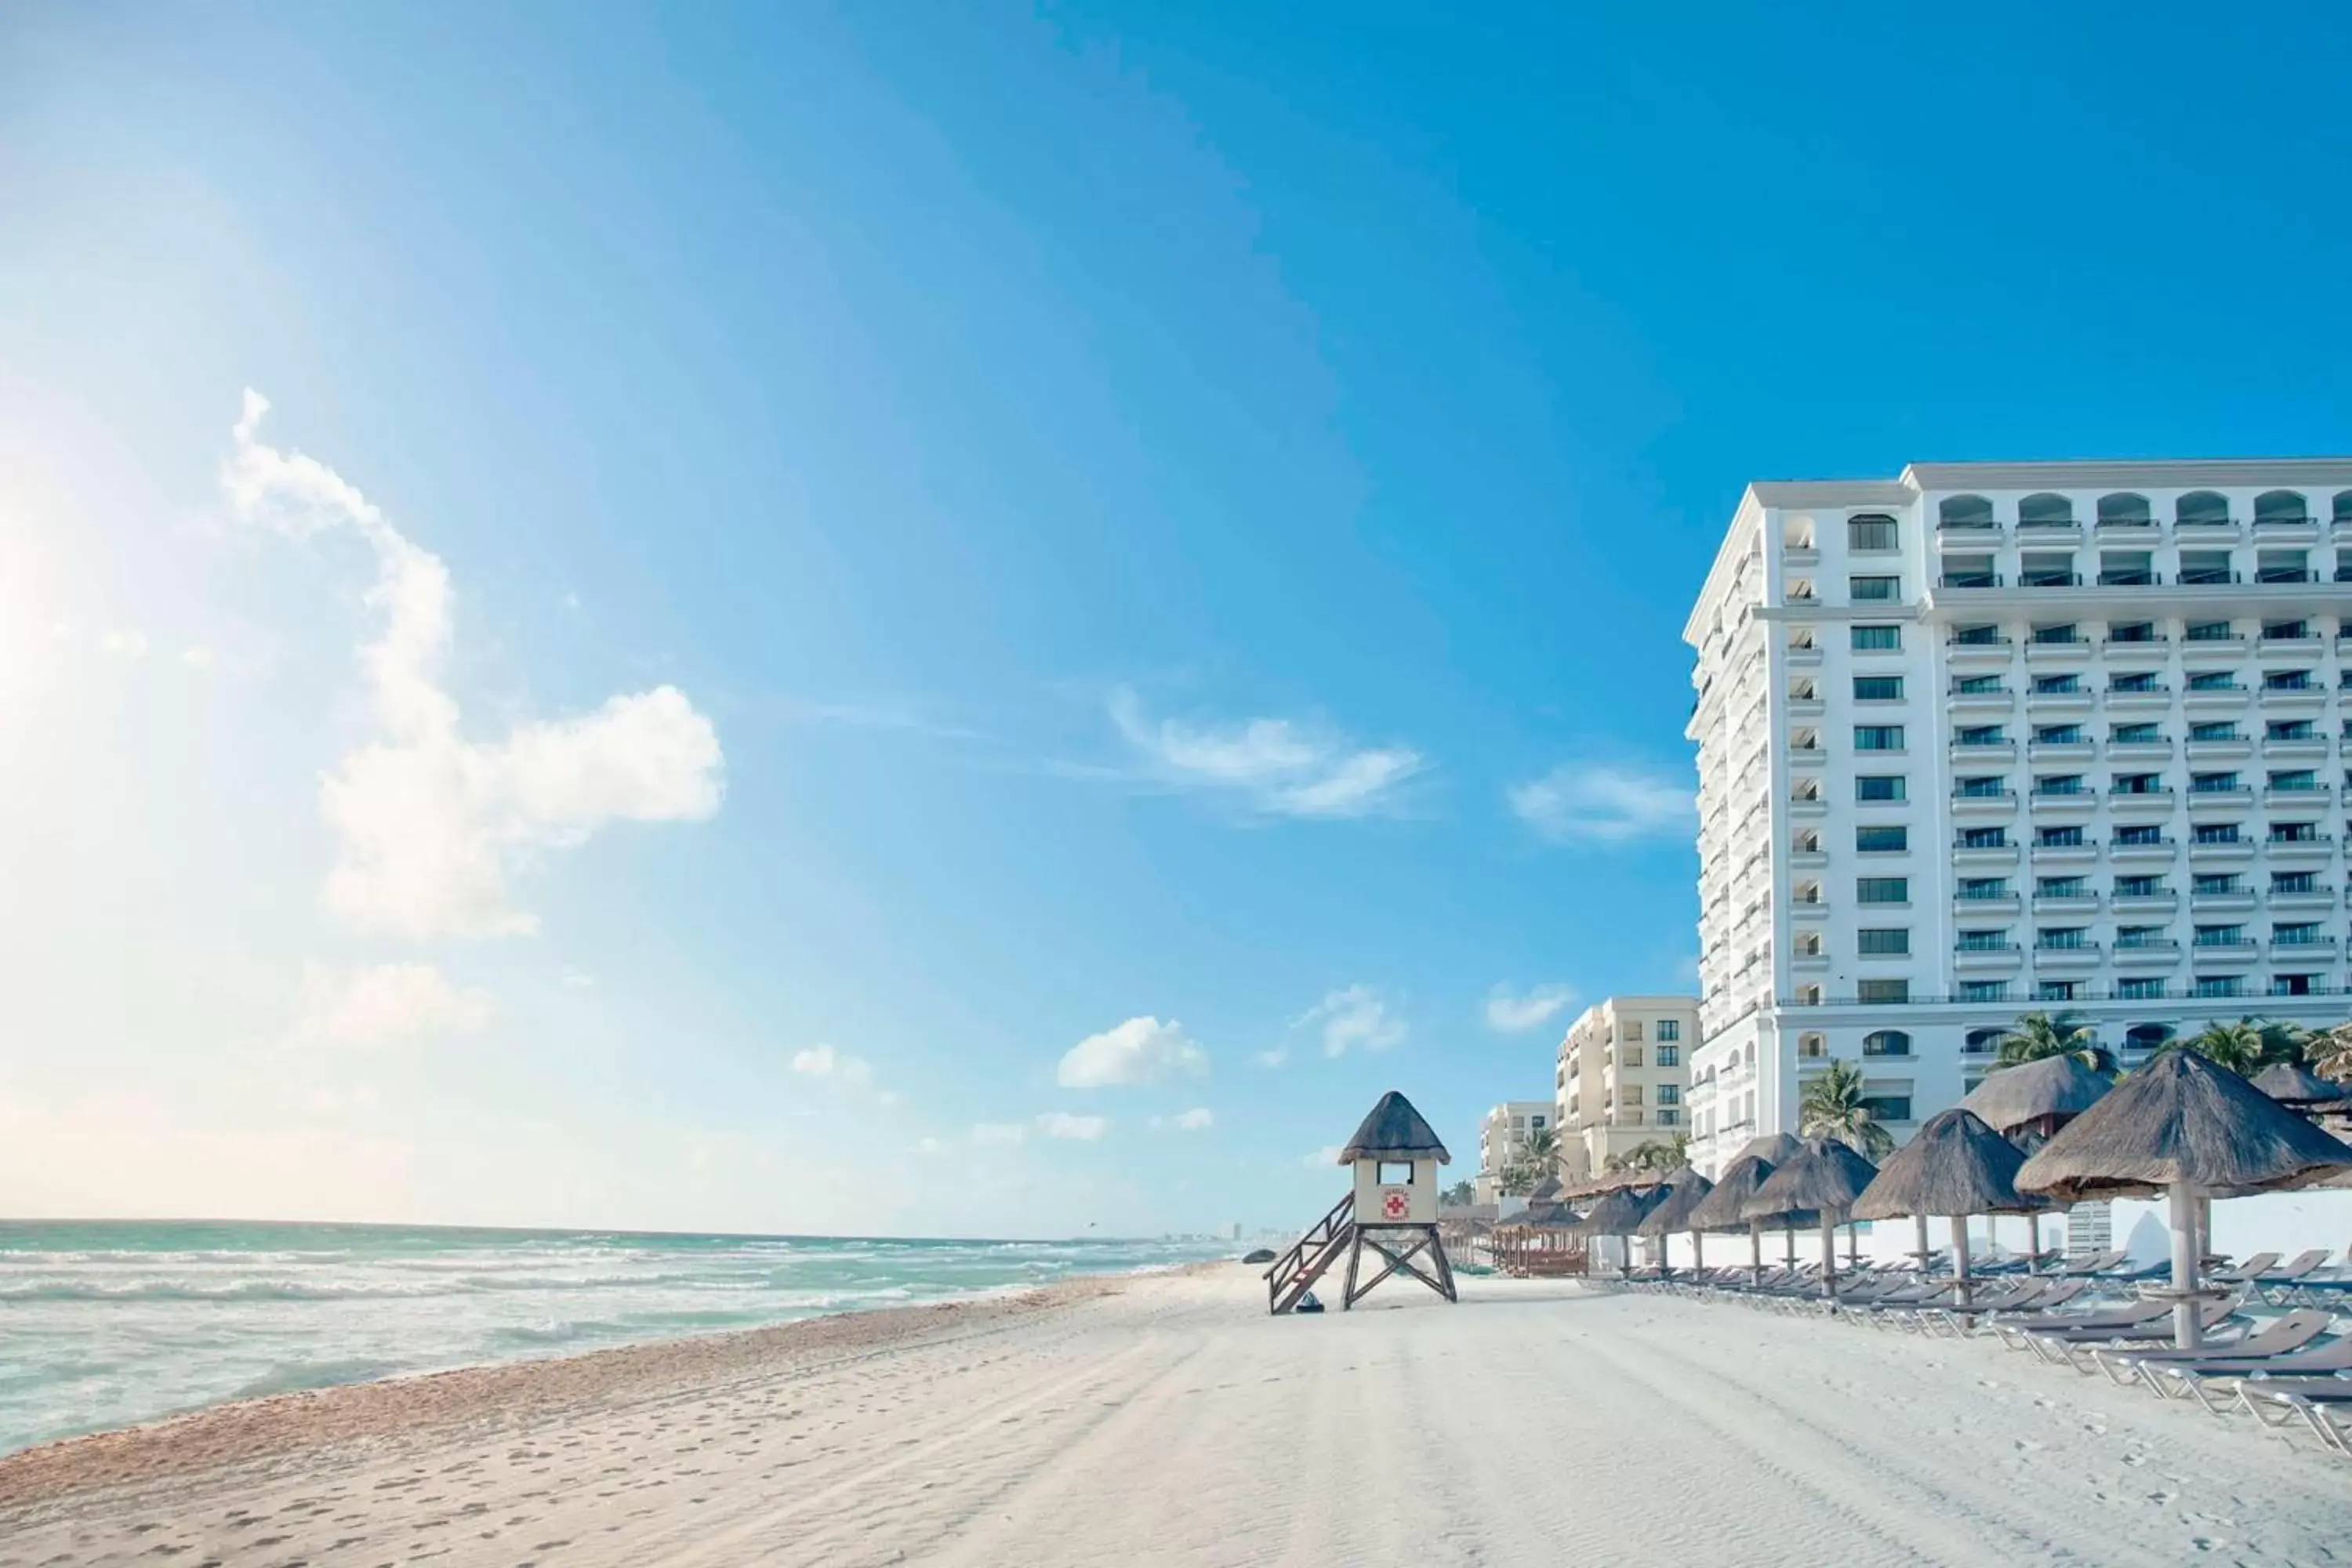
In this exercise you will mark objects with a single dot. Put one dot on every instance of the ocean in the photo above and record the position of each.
(105, 1323)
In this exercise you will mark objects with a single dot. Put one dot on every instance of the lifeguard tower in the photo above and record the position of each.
(1391, 1207)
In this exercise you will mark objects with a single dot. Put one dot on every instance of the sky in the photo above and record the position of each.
(980, 620)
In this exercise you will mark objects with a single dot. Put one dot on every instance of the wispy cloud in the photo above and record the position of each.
(386, 1003)
(1599, 804)
(999, 1133)
(1196, 1120)
(1323, 1159)
(1358, 1018)
(1062, 1124)
(1511, 1013)
(428, 821)
(903, 717)
(1272, 767)
(1141, 1050)
(833, 1067)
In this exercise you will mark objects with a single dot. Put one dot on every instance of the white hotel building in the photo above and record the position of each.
(1987, 738)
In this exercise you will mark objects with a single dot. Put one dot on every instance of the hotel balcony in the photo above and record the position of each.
(1809, 963)
(1809, 908)
(2299, 851)
(2143, 531)
(1970, 752)
(2150, 952)
(2064, 854)
(2229, 645)
(1803, 657)
(1984, 854)
(2001, 803)
(1979, 960)
(2151, 698)
(2236, 746)
(2318, 950)
(1814, 805)
(1807, 756)
(2064, 802)
(2127, 905)
(1799, 555)
(2221, 851)
(2210, 531)
(2141, 803)
(2073, 955)
(2156, 850)
(2240, 950)
(1966, 906)
(1979, 651)
(2081, 751)
(2312, 696)
(2085, 903)
(2313, 798)
(2033, 535)
(2286, 531)
(1976, 536)
(2287, 748)
(1806, 707)
(2229, 800)
(1808, 859)
(2205, 698)
(2061, 701)
(1981, 701)
(2059, 650)
(2221, 903)
(2303, 648)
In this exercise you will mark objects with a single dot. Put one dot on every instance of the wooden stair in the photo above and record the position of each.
(1296, 1271)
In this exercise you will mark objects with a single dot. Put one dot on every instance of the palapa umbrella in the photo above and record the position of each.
(1618, 1214)
(1955, 1166)
(1774, 1148)
(1825, 1177)
(2187, 1127)
(2027, 1104)
(1684, 1190)
(2293, 1084)
(1719, 1210)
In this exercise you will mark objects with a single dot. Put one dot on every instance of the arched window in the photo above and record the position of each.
(2046, 511)
(2343, 509)
(1812, 1045)
(1964, 511)
(2146, 1037)
(2280, 506)
(2125, 509)
(1870, 531)
(1887, 1043)
(1749, 1055)
(2201, 506)
(1985, 1042)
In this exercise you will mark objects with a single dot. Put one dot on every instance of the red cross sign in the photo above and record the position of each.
(1395, 1204)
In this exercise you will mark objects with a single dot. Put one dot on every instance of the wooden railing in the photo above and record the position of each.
(1297, 1269)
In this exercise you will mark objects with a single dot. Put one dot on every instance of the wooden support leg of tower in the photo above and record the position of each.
(1424, 1239)
(1349, 1292)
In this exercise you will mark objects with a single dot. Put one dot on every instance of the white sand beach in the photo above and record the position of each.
(1167, 1419)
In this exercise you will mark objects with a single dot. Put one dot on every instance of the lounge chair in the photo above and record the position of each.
(2214, 1383)
(2260, 1263)
(2289, 1331)
(2276, 1285)
(2075, 1346)
(2083, 1268)
(2012, 1334)
(2274, 1402)
(2046, 1298)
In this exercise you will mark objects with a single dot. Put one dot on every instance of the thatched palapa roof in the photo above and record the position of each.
(1684, 1189)
(1620, 1212)
(1825, 1177)
(2055, 1086)
(1547, 1191)
(1545, 1216)
(1394, 1129)
(1772, 1148)
(1956, 1165)
(2182, 1118)
(1719, 1210)
(2292, 1083)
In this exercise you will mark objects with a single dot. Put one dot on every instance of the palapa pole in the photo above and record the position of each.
(1828, 1257)
(1789, 1236)
(1959, 1255)
(1699, 1253)
(1923, 1253)
(1756, 1251)
(2186, 1331)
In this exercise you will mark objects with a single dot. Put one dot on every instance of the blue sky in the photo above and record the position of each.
(937, 538)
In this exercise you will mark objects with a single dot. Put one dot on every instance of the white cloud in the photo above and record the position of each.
(1357, 1019)
(999, 1132)
(1275, 766)
(125, 642)
(1193, 1120)
(1599, 803)
(1509, 1015)
(579, 979)
(1323, 1159)
(1062, 1124)
(387, 1003)
(198, 656)
(929, 1148)
(834, 1067)
(428, 821)
(1141, 1050)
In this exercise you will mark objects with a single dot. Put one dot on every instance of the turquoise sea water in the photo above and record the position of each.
(104, 1323)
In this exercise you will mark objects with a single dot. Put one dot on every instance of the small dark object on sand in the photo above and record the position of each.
(1262, 1254)
(1308, 1303)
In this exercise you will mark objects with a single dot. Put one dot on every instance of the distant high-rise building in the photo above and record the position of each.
(1620, 1079)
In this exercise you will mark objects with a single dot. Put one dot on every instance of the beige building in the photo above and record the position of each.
(1623, 1076)
(1501, 1135)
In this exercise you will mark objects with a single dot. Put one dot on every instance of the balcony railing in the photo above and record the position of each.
(1969, 580)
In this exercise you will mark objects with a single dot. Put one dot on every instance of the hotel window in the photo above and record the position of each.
(2285, 631)
(1878, 737)
(1878, 689)
(2140, 832)
(2061, 888)
(2220, 985)
(1870, 532)
(2294, 882)
(2057, 685)
(2139, 887)
(2059, 735)
(2065, 938)
(1872, 589)
(2213, 783)
(2226, 730)
(2057, 991)
(1883, 942)
(2214, 832)
(1984, 838)
(1670, 1056)
(2057, 838)
(1887, 1043)
(1984, 990)
(2294, 833)
(2138, 990)
(2301, 933)
(1669, 1029)
(2138, 784)
(2291, 984)
(2212, 680)
(1874, 639)
(2208, 631)
(2212, 884)
(1979, 889)
(2139, 936)
(2058, 784)
(1976, 636)
(2289, 730)
(2289, 680)
(1670, 1094)
(1983, 942)
(2145, 681)
(1629, 1057)
(2063, 632)
(1979, 736)
(1882, 840)
(1632, 1030)
(1629, 1094)
(2144, 734)
(1882, 889)
(1878, 786)
(1978, 686)
(2206, 567)
(1982, 786)
(1881, 991)
(1670, 1117)
(2219, 936)
(2132, 631)
(1887, 1107)
(2294, 781)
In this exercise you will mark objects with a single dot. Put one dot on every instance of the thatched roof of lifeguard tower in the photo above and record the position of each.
(2182, 1118)
(1394, 1128)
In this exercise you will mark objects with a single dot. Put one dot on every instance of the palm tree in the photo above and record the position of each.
(1659, 1154)
(2329, 1052)
(1832, 1107)
(2038, 1036)
(1540, 1148)
(2240, 1046)
(1459, 1195)
(2284, 1041)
